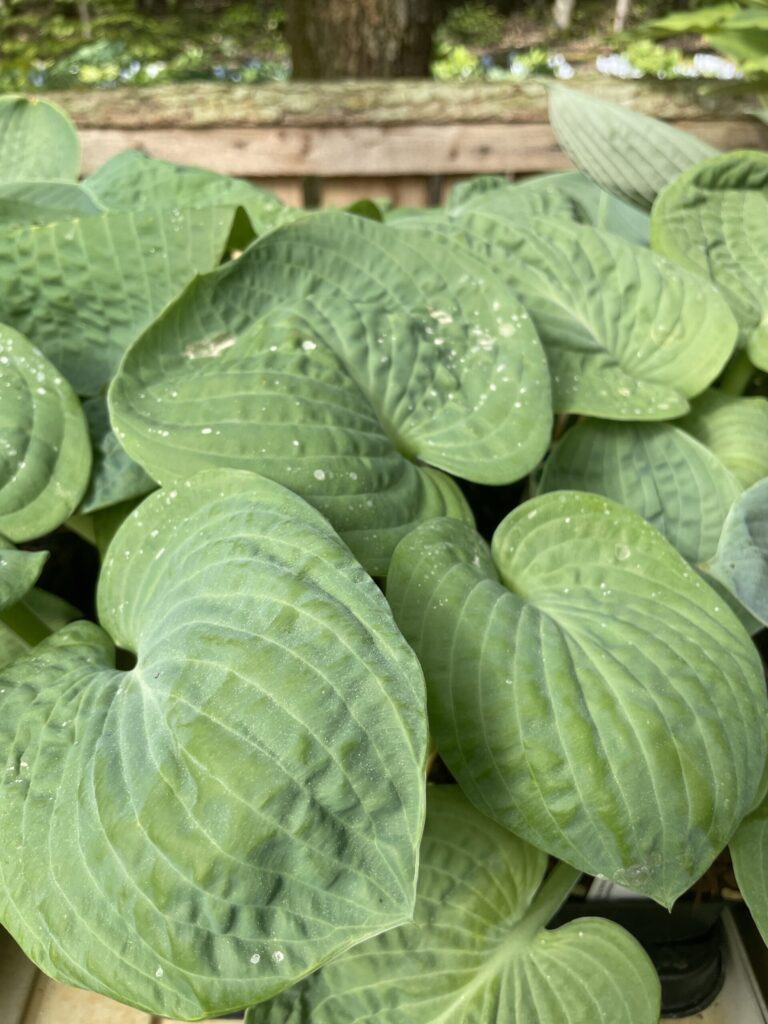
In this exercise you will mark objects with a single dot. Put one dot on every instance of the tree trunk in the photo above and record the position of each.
(621, 15)
(84, 15)
(361, 38)
(562, 13)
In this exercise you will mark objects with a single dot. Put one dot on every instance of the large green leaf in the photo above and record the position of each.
(477, 951)
(735, 429)
(83, 289)
(636, 350)
(197, 833)
(741, 561)
(43, 202)
(625, 152)
(37, 140)
(656, 469)
(331, 356)
(131, 180)
(749, 851)
(45, 454)
(586, 688)
(713, 220)
(115, 477)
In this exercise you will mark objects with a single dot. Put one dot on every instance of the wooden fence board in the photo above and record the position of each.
(372, 151)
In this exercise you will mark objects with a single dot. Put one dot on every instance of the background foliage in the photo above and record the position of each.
(62, 44)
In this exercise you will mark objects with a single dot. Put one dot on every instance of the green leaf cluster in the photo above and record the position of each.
(487, 481)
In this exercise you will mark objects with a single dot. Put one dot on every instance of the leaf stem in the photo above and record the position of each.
(23, 621)
(737, 375)
(551, 896)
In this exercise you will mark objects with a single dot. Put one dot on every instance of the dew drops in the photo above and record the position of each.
(207, 430)
(159, 972)
(622, 552)
(278, 956)
(308, 345)
(319, 474)
(255, 958)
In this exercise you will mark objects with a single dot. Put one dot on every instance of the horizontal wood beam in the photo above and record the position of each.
(363, 103)
(373, 150)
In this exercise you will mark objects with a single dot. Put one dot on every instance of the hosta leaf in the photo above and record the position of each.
(735, 429)
(625, 152)
(115, 477)
(656, 469)
(600, 208)
(463, 191)
(37, 140)
(749, 851)
(477, 951)
(568, 194)
(43, 202)
(197, 833)
(83, 289)
(18, 571)
(32, 617)
(636, 350)
(741, 561)
(328, 357)
(45, 454)
(11, 645)
(522, 201)
(714, 220)
(131, 180)
(585, 688)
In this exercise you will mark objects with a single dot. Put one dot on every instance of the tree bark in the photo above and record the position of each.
(562, 13)
(621, 15)
(361, 38)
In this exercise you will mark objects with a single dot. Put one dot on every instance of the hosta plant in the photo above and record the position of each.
(432, 552)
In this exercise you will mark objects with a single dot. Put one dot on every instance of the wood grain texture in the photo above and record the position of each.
(371, 151)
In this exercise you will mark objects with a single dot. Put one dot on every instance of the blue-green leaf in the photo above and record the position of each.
(586, 688)
(199, 832)
(477, 951)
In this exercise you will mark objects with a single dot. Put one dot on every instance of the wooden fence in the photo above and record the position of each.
(332, 143)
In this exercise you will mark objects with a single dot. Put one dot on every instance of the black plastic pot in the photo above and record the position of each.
(684, 945)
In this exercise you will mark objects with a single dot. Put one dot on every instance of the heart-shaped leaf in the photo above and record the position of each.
(741, 561)
(477, 950)
(45, 454)
(81, 290)
(131, 181)
(656, 469)
(636, 350)
(586, 688)
(37, 140)
(713, 220)
(115, 477)
(248, 800)
(331, 356)
(43, 202)
(625, 152)
(735, 429)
